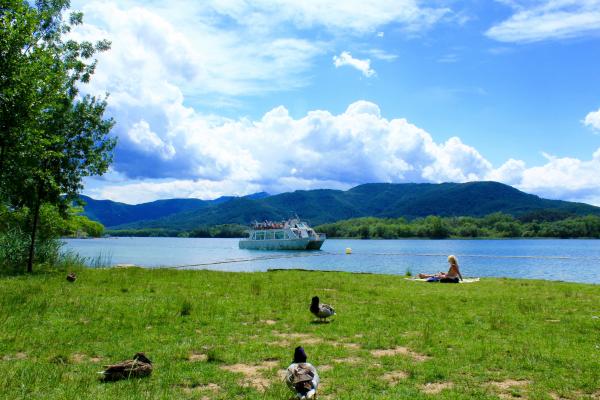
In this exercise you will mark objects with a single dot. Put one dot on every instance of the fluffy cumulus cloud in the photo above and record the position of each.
(345, 58)
(196, 156)
(593, 120)
(547, 19)
(206, 158)
(559, 178)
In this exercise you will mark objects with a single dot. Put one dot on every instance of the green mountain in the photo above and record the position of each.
(111, 213)
(410, 200)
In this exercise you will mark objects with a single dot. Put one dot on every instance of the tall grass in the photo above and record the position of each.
(14, 250)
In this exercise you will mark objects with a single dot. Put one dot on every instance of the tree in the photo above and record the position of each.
(58, 137)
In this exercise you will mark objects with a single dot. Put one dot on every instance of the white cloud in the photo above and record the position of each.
(135, 192)
(359, 16)
(593, 120)
(550, 19)
(164, 57)
(148, 141)
(277, 153)
(563, 178)
(345, 58)
(149, 50)
(382, 55)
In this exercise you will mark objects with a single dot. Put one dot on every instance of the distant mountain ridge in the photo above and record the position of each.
(111, 213)
(385, 200)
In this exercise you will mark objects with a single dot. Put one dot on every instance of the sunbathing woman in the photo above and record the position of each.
(452, 276)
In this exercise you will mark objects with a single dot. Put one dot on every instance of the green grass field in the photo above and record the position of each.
(214, 335)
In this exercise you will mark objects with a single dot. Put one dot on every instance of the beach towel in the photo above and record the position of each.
(466, 280)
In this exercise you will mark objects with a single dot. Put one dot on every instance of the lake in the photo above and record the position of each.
(575, 260)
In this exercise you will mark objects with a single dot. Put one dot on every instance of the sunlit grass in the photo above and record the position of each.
(539, 339)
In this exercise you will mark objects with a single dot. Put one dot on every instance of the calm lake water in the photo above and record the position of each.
(569, 260)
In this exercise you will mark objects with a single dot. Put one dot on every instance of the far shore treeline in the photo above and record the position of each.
(538, 224)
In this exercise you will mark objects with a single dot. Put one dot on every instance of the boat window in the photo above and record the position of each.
(279, 235)
(260, 236)
(269, 235)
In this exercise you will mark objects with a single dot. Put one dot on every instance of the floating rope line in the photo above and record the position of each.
(240, 260)
(326, 253)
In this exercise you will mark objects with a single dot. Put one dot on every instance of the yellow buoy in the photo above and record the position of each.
(348, 250)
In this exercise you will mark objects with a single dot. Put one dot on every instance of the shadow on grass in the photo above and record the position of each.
(319, 322)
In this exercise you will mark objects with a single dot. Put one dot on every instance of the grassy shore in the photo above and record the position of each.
(214, 335)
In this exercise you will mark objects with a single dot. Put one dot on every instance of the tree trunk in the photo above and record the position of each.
(2, 151)
(36, 214)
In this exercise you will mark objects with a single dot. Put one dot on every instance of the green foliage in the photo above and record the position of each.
(496, 225)
(15, 239)
(76, 225)
(218, 231)
(50, 136)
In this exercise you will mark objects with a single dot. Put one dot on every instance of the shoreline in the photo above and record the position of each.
(331, 271)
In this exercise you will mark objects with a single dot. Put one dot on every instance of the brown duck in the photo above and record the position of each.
(139, 367)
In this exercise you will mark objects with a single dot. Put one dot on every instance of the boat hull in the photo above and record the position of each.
(276, 244)
(315, 244)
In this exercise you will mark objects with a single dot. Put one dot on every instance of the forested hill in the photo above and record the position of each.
(112, 213)
(410, 200)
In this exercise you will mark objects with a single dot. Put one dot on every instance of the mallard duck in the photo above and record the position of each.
(302, 377)
(139, 367)
(321, 311)
(71, 277)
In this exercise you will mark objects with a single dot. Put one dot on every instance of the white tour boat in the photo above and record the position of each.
(292, 234)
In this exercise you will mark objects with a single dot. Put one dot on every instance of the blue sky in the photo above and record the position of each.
(232, 97)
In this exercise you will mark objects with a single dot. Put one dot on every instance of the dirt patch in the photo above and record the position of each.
(399, 350)
(436, 387)
(281, 374)
(394, 377)
(347, 360)
(201, 388)
(268, 321)
(197, 357)
(353, 346)
(78, 358)
(510, 388)
(324, 368)
(553, 320)
(510, 383)
(253, 376)
(555, 396)
(289, 339)
(17, 356)
(328, 289)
